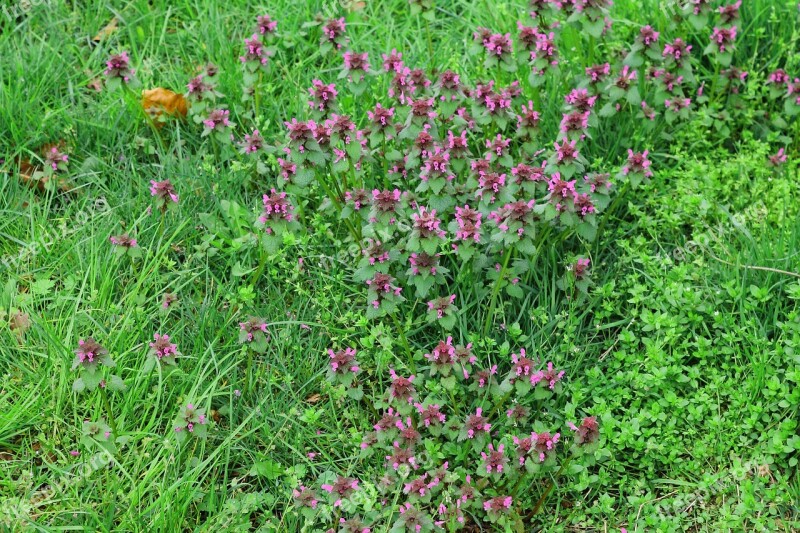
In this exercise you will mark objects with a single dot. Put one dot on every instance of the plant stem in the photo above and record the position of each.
(551, 485)
(401, 332)
(109, 414)
(430, 41)
(496, 290)
(262, 263)
(257, 96)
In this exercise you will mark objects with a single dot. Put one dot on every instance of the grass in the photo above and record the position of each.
(686, 348)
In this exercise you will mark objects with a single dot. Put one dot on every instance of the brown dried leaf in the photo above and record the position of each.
(314, 398)
(110, 28)
(28, 171)
(159, 100)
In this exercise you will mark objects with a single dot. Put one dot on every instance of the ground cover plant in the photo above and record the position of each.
(400, 266)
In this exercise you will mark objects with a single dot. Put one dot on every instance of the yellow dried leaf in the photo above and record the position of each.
(159, 100)
(110, 28)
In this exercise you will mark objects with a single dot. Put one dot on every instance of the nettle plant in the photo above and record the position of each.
(452, 185)
(459, 438)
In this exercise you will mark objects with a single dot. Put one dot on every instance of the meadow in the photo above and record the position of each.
(399, 265)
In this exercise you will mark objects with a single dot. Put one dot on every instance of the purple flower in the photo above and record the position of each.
(422, 263)
(476, 424)
(381, 118)
(730, 13)
(252, 330)
(567, 151)
(587, 433)
(333, 33)
(598, 73)
(255, 54)
(164, 193)
(498, 504)
(191, 420)
(401, 389)
(198, 90)
(580, 99)
(323, 96)
(401, 456)
(469, 224)
(430, 415)
(123, 241)
(90, 353)
(382, 290)
(55, 160)
(266, 26)
(252, 143)
(355, 63)
(638, 164)
(778, 77)
(648, 36)
(342, 488)
(575, 122)
(498, 45)
(163, 350)
(426, 224)
(442, 306)
(392, 62)
(276, 208)
(168, 300)
(496, 460)
(118, 68)
(343, 361)
(305, 497)
(677, 50)
(778, 159)
(724, 38)
(217, 120)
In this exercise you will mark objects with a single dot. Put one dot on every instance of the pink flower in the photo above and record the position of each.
(333, 32)
(118, 67)
(163, 191)
(588, 432)
(498, 44)
(356, 63)
(276, 208)
(123, 241)
(498, 504)
(677, 50)
(305, 497)
(495, 460)
(162, 348)
(638, 163)
(779, 77)
(323, 96)
(392, 62)
(648, 36)
(730, 13)
(343, 361)
(55, 160)
(252, 143)
(266, 25)
(442, 305)
(401, 388)
(724, 37)
(778, 159)
(598, 73)
(254, 51)
(476, 424)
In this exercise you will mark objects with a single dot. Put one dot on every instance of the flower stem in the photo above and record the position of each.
(401, 332)
(551, 485)
(496, 290)
(109, 413)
